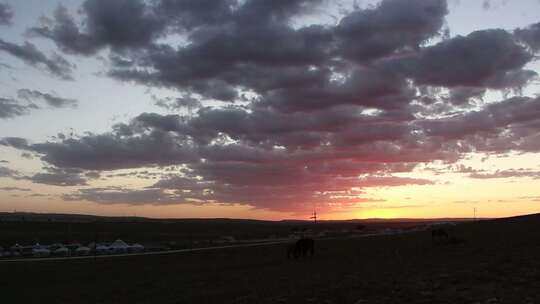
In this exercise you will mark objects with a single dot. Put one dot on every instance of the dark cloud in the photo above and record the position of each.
(126, 24)
(391, 26)
(313, 115)
(92, 175)
(276, 196)
(119, 24)
(365, 87)
(283, 161)
(27, 155)
(111, 151)
(507, 174)
(233, 173)
(63, 177)
(464, 95)
(123, 196)
(293, 68)
(14, 189)
(249, 53)
(6, 14)
(530, 35)
(39, 195)
(515, 80)
(221, 60)
(269, 128)
(30, 100)
(10, 108)
(7, 172)
(15, 142)
(492, 119)
(185, 102)
(122, 22)
(282, 188)
(190, 14)
(58, 179)
(268, 159)
(488, 58)
(64, 31)
(260, 11)
(29, 53)
(35, 96)
(51, 176)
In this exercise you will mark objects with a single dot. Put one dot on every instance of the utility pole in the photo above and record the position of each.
(474, 211)
(314, 216)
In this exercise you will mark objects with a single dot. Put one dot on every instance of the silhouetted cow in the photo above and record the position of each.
(301, 248)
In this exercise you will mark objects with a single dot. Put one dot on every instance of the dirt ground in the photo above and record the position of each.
(488, 262)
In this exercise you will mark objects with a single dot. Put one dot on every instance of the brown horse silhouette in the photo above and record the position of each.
(301, 248)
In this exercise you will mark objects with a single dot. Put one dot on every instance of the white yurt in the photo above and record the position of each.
(55, 246)
(62, 251)
(136, 248)
(82, 250)
(16, 248)
(102, 249)
(40, 252)
(119, 246)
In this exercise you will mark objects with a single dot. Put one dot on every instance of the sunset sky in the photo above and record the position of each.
(270, 109)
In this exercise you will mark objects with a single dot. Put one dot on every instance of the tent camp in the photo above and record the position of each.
(55, 246)
(119, 246)
(62, 251)
(16, 248)
(39, 251)
(82, 250)
(102, 249)
(136, 248)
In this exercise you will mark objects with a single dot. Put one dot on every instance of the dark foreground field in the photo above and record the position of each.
(500, 263)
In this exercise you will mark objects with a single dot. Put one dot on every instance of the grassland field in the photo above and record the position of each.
(498, 262)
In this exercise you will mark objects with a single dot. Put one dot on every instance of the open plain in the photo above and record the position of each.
(495, 261)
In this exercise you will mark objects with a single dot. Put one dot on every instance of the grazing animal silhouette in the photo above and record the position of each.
(291, 251)
(439, 234)
(301, 248)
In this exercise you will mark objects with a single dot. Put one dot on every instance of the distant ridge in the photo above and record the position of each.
(64, 217)
(35, 216)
